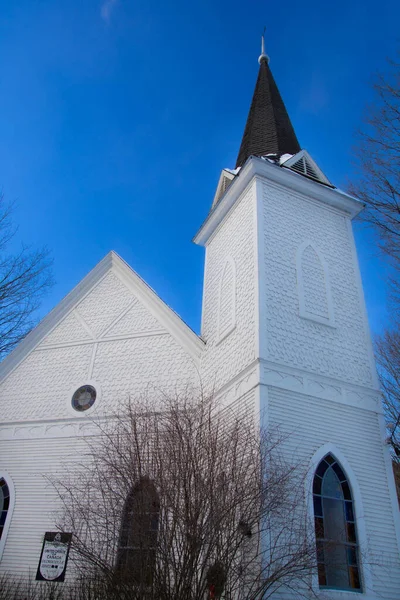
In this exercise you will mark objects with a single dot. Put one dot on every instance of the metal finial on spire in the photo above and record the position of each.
(263, 55)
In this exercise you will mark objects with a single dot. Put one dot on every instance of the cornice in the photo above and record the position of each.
(257, 167)
(326, 388)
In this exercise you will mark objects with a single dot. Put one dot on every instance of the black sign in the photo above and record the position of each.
(54, 556)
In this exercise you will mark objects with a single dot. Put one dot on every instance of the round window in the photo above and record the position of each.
(84, 398)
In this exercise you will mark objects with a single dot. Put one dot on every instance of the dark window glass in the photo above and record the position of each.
(317, 485)
(84, 398)
(321, 574)
(351, 532)
(319, 527)
(339, 472)
(335, 529)
(317, 506)
(346, 490)
(4, 503)
(216, 579)
(349, 511)
(136, 556)
(322, 467)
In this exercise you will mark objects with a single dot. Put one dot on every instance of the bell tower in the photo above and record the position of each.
(287, 335)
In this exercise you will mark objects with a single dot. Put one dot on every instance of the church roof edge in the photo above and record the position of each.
(258, 167)
(173, 322)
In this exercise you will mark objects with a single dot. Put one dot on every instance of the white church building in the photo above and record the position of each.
(284, 330)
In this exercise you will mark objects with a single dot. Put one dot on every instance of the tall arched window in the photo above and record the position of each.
(335, 528)
(136, 556)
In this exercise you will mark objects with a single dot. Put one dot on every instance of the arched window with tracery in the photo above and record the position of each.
(335, 528)
(136, 557)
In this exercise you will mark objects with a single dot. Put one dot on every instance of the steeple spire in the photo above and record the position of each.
(268, 129)
(263, 55)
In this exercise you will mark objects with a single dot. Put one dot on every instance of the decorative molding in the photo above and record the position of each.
(261, 342)
(58, 429)
(92, 360)
(82, 320)
(128, 336)
(240, 385)
(325, 388)
(118, 318)
(289, 179)
(282, 379)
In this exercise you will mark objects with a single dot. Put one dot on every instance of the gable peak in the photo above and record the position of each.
(303, 164)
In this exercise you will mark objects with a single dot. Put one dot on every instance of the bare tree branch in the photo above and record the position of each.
(25, 277)
(388, 357)
(378, 161)
(378, 185)
(231, 511)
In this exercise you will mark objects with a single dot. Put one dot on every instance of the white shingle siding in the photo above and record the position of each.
(235, 239)
(312, 275)
(135, 356)
(301, 351)
(342, 352)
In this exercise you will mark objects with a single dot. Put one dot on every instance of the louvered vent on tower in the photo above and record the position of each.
(302, 166)
(225, 181)
(303, 163)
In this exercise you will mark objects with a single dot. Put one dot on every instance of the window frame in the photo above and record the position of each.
(11, 490)
(128, 521)
(351, 544)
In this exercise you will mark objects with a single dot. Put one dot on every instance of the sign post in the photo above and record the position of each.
(54, 556)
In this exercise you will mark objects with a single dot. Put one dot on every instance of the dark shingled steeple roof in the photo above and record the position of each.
(268, 128)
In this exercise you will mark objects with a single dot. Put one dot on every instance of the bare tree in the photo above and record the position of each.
(388, 356)
(24, 278)
(378, 158)
(187, 503)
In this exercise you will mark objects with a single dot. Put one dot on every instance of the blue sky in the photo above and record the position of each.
(118, 116)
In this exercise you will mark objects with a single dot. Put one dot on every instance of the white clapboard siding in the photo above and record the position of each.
(309, 423)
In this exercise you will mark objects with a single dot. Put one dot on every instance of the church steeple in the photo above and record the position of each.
(268, 129)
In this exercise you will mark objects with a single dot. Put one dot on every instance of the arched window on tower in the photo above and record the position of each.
(313, 285)
(335, 528)
(136, 557)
